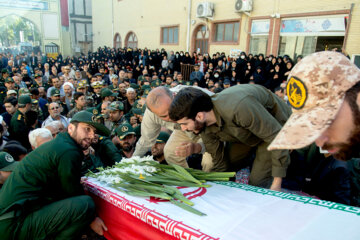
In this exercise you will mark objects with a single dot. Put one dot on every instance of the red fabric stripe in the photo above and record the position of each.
(122, 225)
(64, 13)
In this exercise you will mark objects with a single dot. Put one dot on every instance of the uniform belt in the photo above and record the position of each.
(8, 215)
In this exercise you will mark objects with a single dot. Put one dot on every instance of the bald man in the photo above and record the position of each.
(180, 144)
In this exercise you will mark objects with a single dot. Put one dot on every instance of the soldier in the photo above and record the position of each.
(39, 82)
(80, 104)
(18, 129)
(55, 97)
(247, 123)
(97, 86)
(116, 115)
(43, 197)
(127, 139)
(7, 165)
(115, 82)
(157, 150)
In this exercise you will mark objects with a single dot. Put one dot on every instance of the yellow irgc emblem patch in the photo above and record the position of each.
(296, 92)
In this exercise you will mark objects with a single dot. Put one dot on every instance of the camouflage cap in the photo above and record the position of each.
(7, 162)
(116, 106)
(316, 88)
(11, 92)
(123, 130)
(24, 91)
(114, 76)
(54, 92)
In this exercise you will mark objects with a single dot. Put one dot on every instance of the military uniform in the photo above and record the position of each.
(73, 112)
(18, 130)
(106, 151)
(43, 197)
(249, 122)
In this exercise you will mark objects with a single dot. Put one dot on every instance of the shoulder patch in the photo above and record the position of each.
(297, 92)
(101, 138)
(19, 117)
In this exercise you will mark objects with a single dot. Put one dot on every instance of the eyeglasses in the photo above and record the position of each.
(53, 108)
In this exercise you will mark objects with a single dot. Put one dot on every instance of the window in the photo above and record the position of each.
(170, 35)
(259, 36)
(117, 41)
(131, 40)
(227, 32)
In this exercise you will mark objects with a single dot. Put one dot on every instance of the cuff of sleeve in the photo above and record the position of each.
(279, 172)
(203, 150)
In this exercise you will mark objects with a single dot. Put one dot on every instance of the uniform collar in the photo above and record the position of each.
(218, 126)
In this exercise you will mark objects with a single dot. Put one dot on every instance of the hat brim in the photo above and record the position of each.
(11, 167)
(100, 129)
(304, 127)
(128, 133)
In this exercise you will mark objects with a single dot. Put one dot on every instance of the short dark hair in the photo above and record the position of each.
(188, 102)
(31, 117)
(77, 95)
(12, 100)
(351, 98)
(34, 91)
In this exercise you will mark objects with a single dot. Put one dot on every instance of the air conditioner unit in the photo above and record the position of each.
(205, 10)
(243, 5)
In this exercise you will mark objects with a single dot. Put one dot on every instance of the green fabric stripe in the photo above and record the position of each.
(293, 197)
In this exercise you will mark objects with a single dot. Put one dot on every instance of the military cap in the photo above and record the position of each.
(34, 101)
(98, 74)
(9, 79)
(4, 70)
(37, 75)
(188, 83)
(137, 111)
(116, 106)
(85, 82)
(123, 130)
(134, 86)
(89, 118)
(7, 162)
(24, 91)
(24, 99)
(11, 92)
(105, 92)
(54, 92)
(143, 87)
(316, 88)
(114, 76)
(163, 137)
(81, 85)
(154, 84)
(96, 84)
(93, 110)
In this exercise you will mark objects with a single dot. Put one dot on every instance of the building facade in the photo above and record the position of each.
(275, 27)
(80, 17)
(47, 20)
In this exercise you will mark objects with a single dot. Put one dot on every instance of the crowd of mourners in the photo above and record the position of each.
(41, 95)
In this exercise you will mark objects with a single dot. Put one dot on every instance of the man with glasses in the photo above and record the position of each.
(54, 111)
(43, 197)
